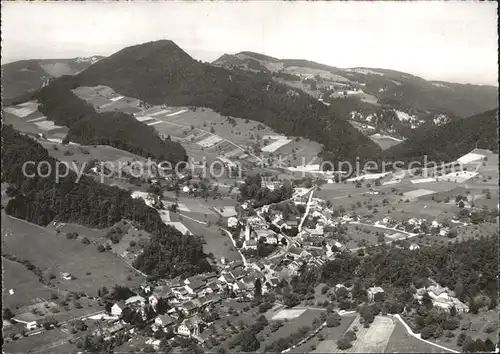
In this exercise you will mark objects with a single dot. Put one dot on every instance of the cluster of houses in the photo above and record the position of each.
(183, 303)
(442, 298)
(419, 225)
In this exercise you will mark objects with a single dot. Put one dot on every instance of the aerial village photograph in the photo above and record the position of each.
(258, 177)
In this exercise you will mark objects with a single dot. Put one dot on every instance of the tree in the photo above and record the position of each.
(333, 320)
(248, 341)
(427, 301)
(344, 343)
(291, 299)
(258, 289)
(80, 325)
(428, 331)
(438, 332)
(7, 314)
(461, 339)
(221, 350)
(474, 306)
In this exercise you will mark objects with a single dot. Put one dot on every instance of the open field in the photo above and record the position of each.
(330, 335)
(203, 132)
(55, 254)
(373, 339)
(288, 314)
(216, 242)
(83, 154)
(39, 343)
(24, 284)
(384, 141)
(478, 325)
(33, 122)
(361, 232)
(401, 342)
(290, 326)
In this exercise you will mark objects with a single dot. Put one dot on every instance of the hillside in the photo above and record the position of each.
(26, 76)
(87, 202)
(448, 142)
(116, 129)
(362, 93)
(162, 73)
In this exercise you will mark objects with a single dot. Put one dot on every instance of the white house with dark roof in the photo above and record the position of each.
(190, 327)
(117, 308)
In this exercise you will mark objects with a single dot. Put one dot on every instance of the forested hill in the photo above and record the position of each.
(160, 72)
(392, 89)
(449, 142)
(87, 202)
(116, 129)
(23, 77)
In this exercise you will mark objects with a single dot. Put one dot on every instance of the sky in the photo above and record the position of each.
(449, 41)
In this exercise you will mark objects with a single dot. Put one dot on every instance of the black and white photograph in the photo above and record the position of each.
(249, 177)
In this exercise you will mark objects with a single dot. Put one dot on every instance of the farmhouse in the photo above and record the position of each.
(208, 277)
(250, 244)
(162, 292)
(414, 247)
(268, 235)
(66, 276)
(194, 284)
(296, 252)
(135, 300)
(164, 321)
(227, 278)
(238, 273)
(190, 307)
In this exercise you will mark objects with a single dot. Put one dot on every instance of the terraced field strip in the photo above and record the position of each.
(177, 113)
(154, 123)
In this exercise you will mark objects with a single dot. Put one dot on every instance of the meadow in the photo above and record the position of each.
(55, 254)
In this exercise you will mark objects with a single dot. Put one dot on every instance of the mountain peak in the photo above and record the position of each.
(160, 51)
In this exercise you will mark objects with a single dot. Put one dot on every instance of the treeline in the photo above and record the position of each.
(162, 73)
(116, 129)
(41, 200)
(450, 141)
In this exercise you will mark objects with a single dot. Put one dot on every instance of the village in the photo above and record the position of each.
(276, 243)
